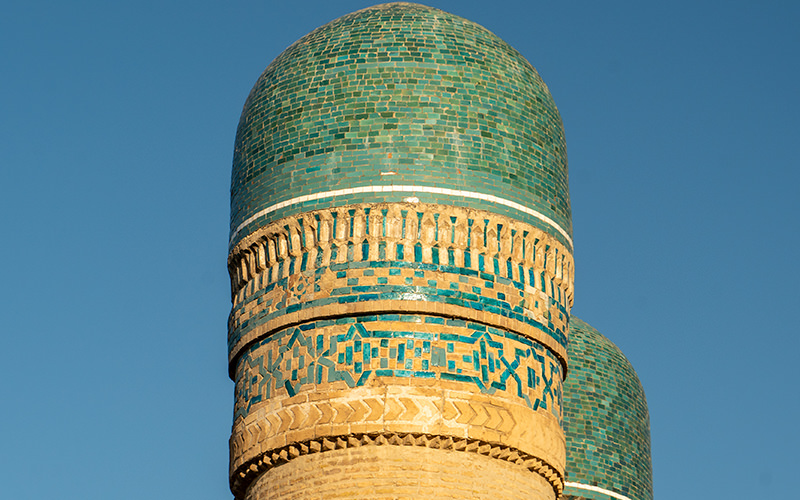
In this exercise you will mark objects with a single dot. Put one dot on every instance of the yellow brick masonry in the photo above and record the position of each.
(398, 472)
(385, 406)
(397, 437)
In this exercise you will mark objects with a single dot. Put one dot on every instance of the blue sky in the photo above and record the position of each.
(117, 122)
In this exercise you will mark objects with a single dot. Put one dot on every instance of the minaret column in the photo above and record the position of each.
(401, 267)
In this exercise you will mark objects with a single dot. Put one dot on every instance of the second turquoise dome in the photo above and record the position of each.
(606, 421)
(400, 95)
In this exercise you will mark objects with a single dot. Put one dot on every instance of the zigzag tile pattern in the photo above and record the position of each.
(447, 409)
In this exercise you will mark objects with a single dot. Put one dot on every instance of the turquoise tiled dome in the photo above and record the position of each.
(606, 421)
(400, 95)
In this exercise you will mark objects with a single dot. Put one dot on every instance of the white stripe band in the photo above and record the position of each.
(595, 488)
(412, 189)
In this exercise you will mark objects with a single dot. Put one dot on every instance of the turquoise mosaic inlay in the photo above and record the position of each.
(606, 420)
(491, 359)
(435, 100)
(447, 291)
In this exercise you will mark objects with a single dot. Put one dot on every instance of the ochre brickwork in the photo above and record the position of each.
(405, 323)
(287, 392)
(399, 321)
(392, 472)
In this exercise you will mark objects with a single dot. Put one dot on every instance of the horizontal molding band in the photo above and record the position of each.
(427, 237)
(393, 306)
(408, 189)
(243, 476)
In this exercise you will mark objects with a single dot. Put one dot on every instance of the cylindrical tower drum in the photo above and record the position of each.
(401, 267)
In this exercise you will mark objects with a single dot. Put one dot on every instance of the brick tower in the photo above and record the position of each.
(401, 267)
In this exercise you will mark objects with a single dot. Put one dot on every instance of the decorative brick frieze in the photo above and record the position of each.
(393, 232)
(244, 475)
(429, 259)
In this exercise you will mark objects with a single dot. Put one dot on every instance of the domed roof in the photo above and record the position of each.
(606, 421)
(400, 101)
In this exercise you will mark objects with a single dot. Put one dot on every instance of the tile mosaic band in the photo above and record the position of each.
(490, 360)
(409, 189)
(266, 321)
